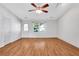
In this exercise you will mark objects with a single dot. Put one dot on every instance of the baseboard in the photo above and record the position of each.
(5, 43)
(38, 37)
(68, 42)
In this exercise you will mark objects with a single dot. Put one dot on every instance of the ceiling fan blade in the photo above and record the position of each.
(45, 11)
(31, 10)
(44, 6)
(33, 5)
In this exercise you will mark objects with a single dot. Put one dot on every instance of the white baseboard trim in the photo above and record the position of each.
(39, 37)
(69, 42)
(5, 43)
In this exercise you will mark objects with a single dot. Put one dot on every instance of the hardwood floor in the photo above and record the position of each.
(39, 47)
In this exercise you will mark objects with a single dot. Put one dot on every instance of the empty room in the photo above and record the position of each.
(39, 29)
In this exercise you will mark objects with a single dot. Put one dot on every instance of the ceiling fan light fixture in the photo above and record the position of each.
(39, 11)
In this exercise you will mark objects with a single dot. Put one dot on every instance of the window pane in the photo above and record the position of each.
(42, 28)
(25, 27)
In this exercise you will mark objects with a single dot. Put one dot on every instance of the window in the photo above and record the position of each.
(25, 27)
(38, 27)
(42, 27)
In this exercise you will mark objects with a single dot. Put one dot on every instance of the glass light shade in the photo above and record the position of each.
(38, 11)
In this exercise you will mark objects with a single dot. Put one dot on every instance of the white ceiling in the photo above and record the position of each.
(21, 10)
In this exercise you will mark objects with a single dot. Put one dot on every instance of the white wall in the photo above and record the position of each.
(69, 27)
(9, 27)
(50, 26)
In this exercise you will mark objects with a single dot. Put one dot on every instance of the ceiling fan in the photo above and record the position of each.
(39, 9)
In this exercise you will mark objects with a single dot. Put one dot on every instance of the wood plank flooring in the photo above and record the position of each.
(39, 47)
